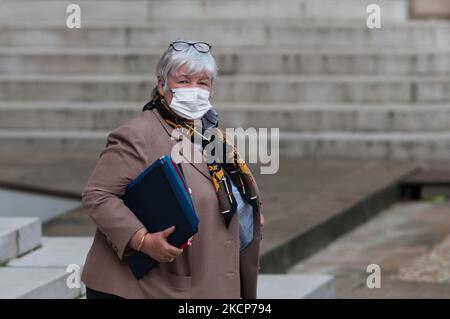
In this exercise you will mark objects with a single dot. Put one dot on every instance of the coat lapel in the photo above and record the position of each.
(201, 167)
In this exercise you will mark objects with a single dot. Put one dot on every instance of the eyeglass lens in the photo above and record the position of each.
(199, 46)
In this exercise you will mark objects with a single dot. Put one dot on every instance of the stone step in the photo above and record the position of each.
(242, 33)
(299, 286)
(310, 117)
(39, 11)
(62, 115)
(35, 283)
(48, 283)
(22, 202)
(53, 139)
(426, 184)
(56, 252)
(287, 117)
(415, 146)
(242, 88)
(44, 273)
(18, 236)
(266, 61)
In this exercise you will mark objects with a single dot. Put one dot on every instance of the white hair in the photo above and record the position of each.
(195, 62)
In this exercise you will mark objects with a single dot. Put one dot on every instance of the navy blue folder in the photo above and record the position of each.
(160, 198)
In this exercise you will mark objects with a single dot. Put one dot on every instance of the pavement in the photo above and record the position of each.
(409, 241)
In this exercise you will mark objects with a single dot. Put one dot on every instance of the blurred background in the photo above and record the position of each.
(363, 114)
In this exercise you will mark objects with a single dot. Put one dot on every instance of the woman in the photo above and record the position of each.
(223, 260)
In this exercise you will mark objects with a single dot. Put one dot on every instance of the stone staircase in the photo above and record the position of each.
(150, 10)
(18, 236)
(335, 88)
(44, 273)
(32, 266)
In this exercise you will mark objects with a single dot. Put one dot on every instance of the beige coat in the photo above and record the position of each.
(212, 267)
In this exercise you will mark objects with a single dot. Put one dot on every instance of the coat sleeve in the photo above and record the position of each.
(119, 163)
(250, 265)
(249, 256)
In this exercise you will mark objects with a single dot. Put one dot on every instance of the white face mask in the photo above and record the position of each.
(190, 103)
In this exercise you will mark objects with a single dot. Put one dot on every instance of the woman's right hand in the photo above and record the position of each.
(156, 246)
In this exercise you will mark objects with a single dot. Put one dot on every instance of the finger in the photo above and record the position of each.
(173, 251)
(166, 232)
(169, 259)
(162, 259)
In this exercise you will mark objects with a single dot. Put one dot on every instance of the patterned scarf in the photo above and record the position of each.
(231, 166)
